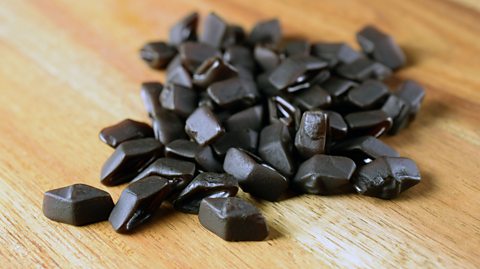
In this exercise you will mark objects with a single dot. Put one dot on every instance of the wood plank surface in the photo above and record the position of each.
(69, 68)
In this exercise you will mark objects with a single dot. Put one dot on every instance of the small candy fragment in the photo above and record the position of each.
(311, 137)
(214, 30)
(324, 175)
(250, 118)
(150, 94)
(124, 131)
(178, 171)
(185, 29)
(275, 147)
(128, 159)
(193, 54)
(233, 219)
(364, 149)
(138, 202)
(412, 93)
(312, 98)
(157, 54)
(335, 53)
(398, 111)
(205, 185)
(181, 149)
(338, 127)
(368, 94)
(77, 204)
(255, 177)
(234, 92)
(386, 177)
(269, 31)
(364, 68)
(181, 100)
(245, 139)
(213, 70)
(167, 126)
(372, 122)
(203, 126)
(207, 160)
(381, 47)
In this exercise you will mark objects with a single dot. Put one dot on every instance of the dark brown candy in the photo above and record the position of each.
(255, 177)
(179, 75)
(129, 159)
(157, 54)
(297, 48)
(335, 53)
(239, 56)
(364, 68)
(338, 127)
(398, 111)
(372, 122)
(364, 149)
(214, 30)
(266, 56)
(412, 93)
(386, 177)
(213, 70)
(312, 97)
(207, 160)
(368, 94)
(167, 126)
(233, 93)
(77, 204)
(124, 131)
(205, 185)
(181, 149)
(181, 100)
(381, 47)
(250, 118)
(281, 110)
(185, 29)
(138, 202)
(338, 87)
(203, 126)
(269, 31)
(150, 94)
(294, 70)
(309, 79)
(311, 137)
(178, 171)
(265, 86)
(233, 219)
(193, 54)
(323, 174)
(234, 35)
(245, 139)
(275, 147)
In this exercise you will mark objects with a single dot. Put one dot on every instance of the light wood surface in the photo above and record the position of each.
(69, 68)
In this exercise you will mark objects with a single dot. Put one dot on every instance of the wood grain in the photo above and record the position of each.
(69, 68)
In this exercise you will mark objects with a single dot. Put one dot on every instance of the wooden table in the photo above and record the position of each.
(69, 68)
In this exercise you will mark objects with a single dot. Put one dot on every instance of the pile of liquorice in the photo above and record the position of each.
(255, 112)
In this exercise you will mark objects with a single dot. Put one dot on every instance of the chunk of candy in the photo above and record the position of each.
(368, 94)
(150, 94)
(181, 100)
(233, 219)
(181, 149)
(311, 137)
(77, 204)
(364, 149)
(177, 171)
(372, 122)
(157, 54)
(193, 54)
(214, 30)
(269, 31)
(203, 126)
(185, 29)
(124, 131)
(275, 147)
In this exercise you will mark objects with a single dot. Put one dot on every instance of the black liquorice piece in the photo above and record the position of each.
(239, 56)
(312, 98)
(207, 160)
(138, 202)
(193, 54)
(245, 139)
(371, 122)
(338, 128)
(250, 118)
(282, 110)
(234, 35)
(335, 53)
(124, 131)
(276, 148)
(205, 185)
(311, 136)
(323, 174)
(213, 70)
(386, 177)
(267, 56)
(364, 149)
(254, 176)
(77, 204)
(178, 171)
(297, 47)
(150, 94)
(167, 126)
(157, 54)
(368, 94)
(233, 219)
(185, 29)
(203, 126)
(413, 94)
(362, 69)
(269, 31)
(181, 100)
(129, 159)
(181, 149)
(214, 30)
(399, 111)
(233, 93)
